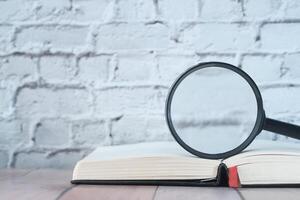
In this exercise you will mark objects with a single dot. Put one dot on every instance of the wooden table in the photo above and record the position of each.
(55, 184)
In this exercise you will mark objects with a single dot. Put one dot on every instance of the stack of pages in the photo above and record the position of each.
(263, 163)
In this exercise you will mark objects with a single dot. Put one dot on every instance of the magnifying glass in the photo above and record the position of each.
(214, 110)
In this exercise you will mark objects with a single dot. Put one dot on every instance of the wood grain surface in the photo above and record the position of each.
(55, 185)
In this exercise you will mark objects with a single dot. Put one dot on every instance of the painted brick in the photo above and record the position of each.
(6, 97)
(280, 36)
(19, 10)
(281, 100)
(50, 36)
(291, 9)
(218, 37)
(132, 36)
(12, 10)
(135, 10)
(3, 159)
(64, 159)
(41, 101)
(291, 66)
(220, 10)
(94, 68)
(263, 68)
(92, 10)
(18, 68)
(157, 129)
(90, 133)
(181, 10)
(57, 68)
(133, 129)
(266, 9)
(5, 33)
(13, 133)
(98, 72)
(171, 66)
(30, 160)
(124, 100)
(227, 58)
(135, 67)
(52, 132)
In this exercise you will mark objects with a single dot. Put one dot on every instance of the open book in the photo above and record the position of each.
(166, 163)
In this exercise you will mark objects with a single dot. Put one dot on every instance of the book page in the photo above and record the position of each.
(145, 161)
(262, 150)
(147, 149)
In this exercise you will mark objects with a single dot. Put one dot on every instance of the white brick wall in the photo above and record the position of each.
(76, 74)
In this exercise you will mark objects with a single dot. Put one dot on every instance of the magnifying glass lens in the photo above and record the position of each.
(213, 110)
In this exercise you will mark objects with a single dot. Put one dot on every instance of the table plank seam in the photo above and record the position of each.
(155, 191)
(240, 194)
(27, 173)
(65, 191)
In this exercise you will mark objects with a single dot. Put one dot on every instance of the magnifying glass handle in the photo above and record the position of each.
(282, 128)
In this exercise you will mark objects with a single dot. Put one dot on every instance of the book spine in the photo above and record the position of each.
(233, 177)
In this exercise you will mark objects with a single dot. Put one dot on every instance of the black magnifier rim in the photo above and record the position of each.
(260, 111)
